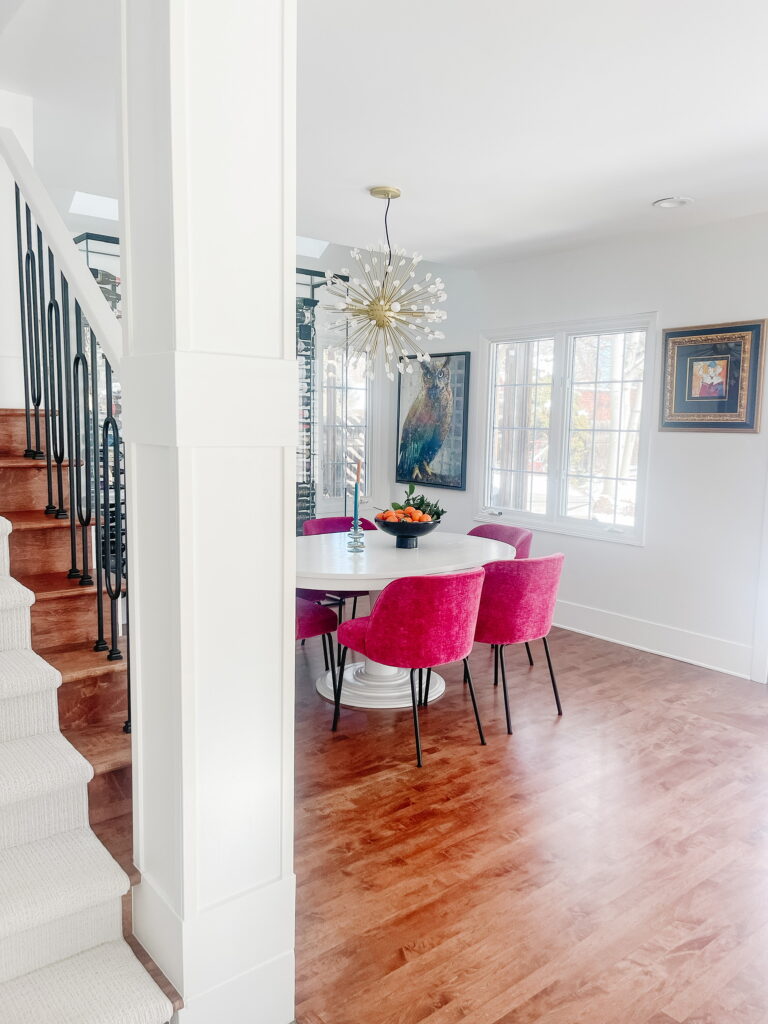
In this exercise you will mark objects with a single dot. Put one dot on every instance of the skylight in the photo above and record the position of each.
(89, 205)
(310, 247)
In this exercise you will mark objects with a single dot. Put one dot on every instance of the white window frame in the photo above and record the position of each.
(335, 506)
(554, 520)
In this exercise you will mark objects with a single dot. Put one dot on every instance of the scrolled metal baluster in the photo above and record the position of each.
(127, 723)
(33, 336)
(113, 572)
(28, 452)
(82, 445)
(56, 386)
(100, 473)
(50, 508)
(74, 571)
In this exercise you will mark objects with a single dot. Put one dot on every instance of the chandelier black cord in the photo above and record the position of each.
(386, 232)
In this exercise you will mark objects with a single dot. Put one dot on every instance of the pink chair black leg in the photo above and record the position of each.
(426, 690)
(504, 688)
(474, 701)
(338, 682)
(552, 676)
(416, 719)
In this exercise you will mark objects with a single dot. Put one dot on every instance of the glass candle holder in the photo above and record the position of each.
(356, 537)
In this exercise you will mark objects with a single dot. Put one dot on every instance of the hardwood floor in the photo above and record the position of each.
(608, 867)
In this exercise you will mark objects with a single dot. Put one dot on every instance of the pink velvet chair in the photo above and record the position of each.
(417, 622)
(317, 620)
(517, 605)
(520, 539)
(333, 524)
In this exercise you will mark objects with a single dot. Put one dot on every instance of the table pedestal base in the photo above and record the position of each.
(367, 684)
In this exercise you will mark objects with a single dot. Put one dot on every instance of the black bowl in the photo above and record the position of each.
(407, 533)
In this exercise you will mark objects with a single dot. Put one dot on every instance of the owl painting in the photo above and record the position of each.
(432, 422)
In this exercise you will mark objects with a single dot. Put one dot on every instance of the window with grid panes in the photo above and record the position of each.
(566, 443)
(342, 420)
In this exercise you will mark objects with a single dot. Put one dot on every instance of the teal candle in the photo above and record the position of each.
(357, 505)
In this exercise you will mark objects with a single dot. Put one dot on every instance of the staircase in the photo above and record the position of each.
(67, 955)
(62, 955)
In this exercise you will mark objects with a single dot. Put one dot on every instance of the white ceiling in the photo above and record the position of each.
(521, 125)
(512, 126)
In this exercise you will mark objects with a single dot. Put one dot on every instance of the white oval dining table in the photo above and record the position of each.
(323, 563)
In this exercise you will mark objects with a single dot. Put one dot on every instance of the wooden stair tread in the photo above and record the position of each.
(48, 585)
(79, 662)
(154, 972)
(117, 835)
(19, 462)
(34, 519)
(107, 747)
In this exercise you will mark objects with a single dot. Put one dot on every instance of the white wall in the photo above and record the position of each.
(16, 114)
(691, 591)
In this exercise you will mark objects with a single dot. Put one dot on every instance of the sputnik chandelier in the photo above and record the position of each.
(384, 307)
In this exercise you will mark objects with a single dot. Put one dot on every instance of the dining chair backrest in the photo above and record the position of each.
(332, 524)
(313, 619)
(519, 538)
(421, 621)
(518, 599)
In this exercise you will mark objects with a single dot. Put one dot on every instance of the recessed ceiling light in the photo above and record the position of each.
(673, 202)
(310, 247)
(89, 205)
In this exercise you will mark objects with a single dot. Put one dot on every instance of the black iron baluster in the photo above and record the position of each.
(113, 571)
(82, 441)
(56, 386)
(23, 311)
(127, 723)
(50, 508)
(74, 571)
(33, 336)
(100, 472)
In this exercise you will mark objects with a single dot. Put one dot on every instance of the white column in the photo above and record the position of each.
(210, 396)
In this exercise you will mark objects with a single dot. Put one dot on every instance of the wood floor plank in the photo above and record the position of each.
(603, 867)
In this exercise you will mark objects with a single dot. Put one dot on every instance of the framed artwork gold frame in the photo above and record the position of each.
(713, 377)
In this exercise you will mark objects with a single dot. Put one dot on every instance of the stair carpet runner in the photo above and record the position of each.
(62, 956)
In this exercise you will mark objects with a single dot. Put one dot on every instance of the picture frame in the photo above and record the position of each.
(712, 377)
(432, 419)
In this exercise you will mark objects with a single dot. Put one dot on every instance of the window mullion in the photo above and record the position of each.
(558, 426)
(523, 397)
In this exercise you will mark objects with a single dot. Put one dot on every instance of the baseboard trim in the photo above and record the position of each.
(656, 638)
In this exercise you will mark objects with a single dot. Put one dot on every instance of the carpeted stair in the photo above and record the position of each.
(62, 956)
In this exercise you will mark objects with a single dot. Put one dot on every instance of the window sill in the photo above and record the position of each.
(563, 529)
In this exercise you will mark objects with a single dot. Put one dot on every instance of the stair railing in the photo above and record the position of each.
(71, 347)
